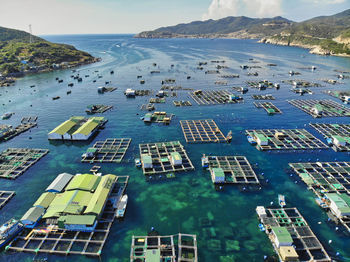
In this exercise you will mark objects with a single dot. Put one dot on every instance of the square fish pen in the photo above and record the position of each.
(180, 247)
(305, 242)
(212, 97)
(270, 108)
(285, 139)
(263, 97)
(66, 242)
(237, 169)
(160, 155)
(15, 161)
(326, 177)
(321, 108)
(202, 131)
(338, 131)
(112, 150)
(5, 196)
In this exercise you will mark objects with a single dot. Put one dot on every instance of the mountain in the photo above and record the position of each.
(322, 35)
(18, 56)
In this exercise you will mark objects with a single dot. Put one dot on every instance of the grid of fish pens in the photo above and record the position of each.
(285, 139)
(65, 242)
(112, 150)
(321, 108)
(307, 245)
(5, 196)
(15, 161)
(269, 107)
(330, 130)
(237, 169)
(263, 97)
(161, 153)
(211, 97)
(202, 131)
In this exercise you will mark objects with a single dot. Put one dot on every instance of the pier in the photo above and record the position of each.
(285, 139)
(202, 131)
(291, 236)
(164, 157)
(15, 161)
(270, 108)
(112, 150)
(180, 247)
(5, 197)
(337, 134)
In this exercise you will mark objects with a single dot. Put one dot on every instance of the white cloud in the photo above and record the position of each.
(254, 8)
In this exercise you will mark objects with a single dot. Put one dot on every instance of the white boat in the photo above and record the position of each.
(281, 200)
(121, 207)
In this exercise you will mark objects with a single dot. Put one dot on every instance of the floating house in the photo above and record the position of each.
(217, 175)
(77, 128)
(130, 92)
(281, 236)
(175, 159)
(146, 161)
(261, 140)
(339, 204)
(32, 216)
(59, 183)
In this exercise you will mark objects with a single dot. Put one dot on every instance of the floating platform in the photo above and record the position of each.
(263, 97)
(341, 95)
(325, 178)
(270, 108)
(180, 247)
(236, 170)
(182, 103)
(157, 100)
(112, 150)
(5, 197)
(158, 117)
(213, 97)
(285, 139)
(202, 131)
(291, 236)
(7, 132)
(339, 134)
(97, 109)
(158, 158)
(321, 108)
(65, 242)
(15, 161)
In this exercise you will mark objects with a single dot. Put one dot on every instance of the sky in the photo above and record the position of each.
(49, 17)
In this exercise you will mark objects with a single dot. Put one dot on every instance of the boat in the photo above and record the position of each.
(251, 140)
(329, 141)
(205, 161)
(6, 116)
(281, 200)
(261, 227)
(55, 98)
(229, 137)
(138, 162)
(9, 230)
(321, 203)
(121, 207)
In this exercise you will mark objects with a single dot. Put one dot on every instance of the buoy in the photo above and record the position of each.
(319, 222)
(330, 241)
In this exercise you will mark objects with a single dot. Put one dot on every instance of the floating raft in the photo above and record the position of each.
(291, 226)
(341, 132)
(112, 150)
(263, 97)
(270, 108)
(15, 161)
(8, 132)
(97, 109)
(160, 155)
(338, 94)
(237, 170)
(157, 100)
(180, 247)
(285, 139)
(326, 178)
(182, 103)
(65, 242)
(202, 131)
(321, 108)
(5, 196)
(205, 97)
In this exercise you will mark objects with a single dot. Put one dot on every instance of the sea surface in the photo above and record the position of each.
(176, 205)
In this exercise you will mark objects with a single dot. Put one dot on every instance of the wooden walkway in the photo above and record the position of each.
(5, 196)
(237, 169)
(287, 139)
(15, 161)
(112, 150)
(64, 242)
(329, 130)
(305, 242)
(270, 108)
(184, 251)
(329, 107)
(160, 154)
(202, 131)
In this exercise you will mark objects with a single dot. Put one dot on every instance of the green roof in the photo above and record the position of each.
(218, 172)
(342, 201)
(340, 138)
(146, 159)
(64, 127)
(45, 199)
(176, 156)
(85, 182)
(78, 219)
(153, 255)
(100, 196)
(89, 126)
(318, 107)
(282, 234)
(261, 137)
(33, 214)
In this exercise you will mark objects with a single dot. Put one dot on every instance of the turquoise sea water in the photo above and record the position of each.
(177, 205)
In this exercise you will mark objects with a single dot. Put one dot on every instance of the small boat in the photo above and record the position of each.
(229, 137)
(112, 72)
(281, 200)
(205, 161)
(9, 230)
(6, 116)
(122, 206)
(69, 92)
(56, 97)
(321, 203)
(261, 227)
(138, 162)
(329, 141)
(70, 84)
(251, 140)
